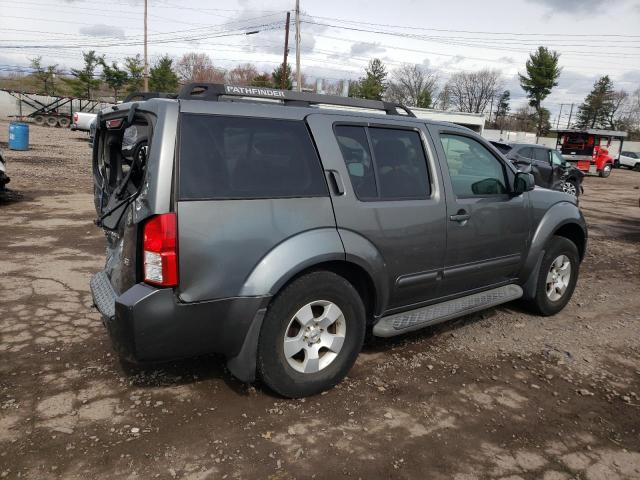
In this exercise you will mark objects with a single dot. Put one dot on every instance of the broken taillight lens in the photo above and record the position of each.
(160, 254)
(115, 123)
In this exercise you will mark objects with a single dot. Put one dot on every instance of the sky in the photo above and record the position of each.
(594, 37)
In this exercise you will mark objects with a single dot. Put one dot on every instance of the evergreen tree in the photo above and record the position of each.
(45, 75)
(262, 80)
(503, 107)
(114, 76)
(597, 108)
(135, 69)
(424, 99)
(542, 72)
(162, 78)
(503, 104)
(280, 72)
(85, 82)
(373, 85)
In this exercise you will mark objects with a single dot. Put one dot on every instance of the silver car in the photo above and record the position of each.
(277, 233)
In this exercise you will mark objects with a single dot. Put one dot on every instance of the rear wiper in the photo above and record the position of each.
(118, 191)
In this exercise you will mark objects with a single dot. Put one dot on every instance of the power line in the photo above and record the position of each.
(475, 31)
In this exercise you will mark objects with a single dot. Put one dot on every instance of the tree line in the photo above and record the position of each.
(413, 85)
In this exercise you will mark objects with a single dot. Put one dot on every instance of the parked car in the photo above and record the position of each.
(82, 121)
(4, 179)
(277, 233)
(549, 168)
(630, 160)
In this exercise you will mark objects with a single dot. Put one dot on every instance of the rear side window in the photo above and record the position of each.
(526, 152)
(397, 168)
(241, 158)
(541, 155)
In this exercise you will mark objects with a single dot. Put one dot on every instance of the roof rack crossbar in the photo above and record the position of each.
(213, 92)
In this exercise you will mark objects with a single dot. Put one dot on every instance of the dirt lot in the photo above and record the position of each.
(500, 394)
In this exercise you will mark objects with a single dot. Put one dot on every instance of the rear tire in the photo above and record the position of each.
(557, 277)
(52, 121)
(572, 187)
(38, 120)
(64, 122)
(311, 335)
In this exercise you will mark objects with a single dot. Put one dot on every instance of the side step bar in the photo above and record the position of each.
(404, 322)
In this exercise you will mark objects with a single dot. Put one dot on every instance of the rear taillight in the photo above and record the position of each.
(160, 254)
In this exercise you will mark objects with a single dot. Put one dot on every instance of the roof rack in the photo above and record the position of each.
(142, 96)
(213, 92)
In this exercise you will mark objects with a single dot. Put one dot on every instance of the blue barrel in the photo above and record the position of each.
(18, 136)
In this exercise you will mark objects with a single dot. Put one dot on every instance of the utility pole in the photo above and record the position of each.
(569, 121)
(298, 75)
(559, 115)
(491, 109)
(146, 59)
(283, 82)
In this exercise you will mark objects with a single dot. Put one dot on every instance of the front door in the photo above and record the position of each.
(487, 226)
(390, 199)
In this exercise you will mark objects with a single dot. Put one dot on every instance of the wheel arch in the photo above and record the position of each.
(353, 273)
(573, 232)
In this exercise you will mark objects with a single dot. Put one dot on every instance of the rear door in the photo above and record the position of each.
(542, 168)
(487, 227)
(392, 198)
(246, 184)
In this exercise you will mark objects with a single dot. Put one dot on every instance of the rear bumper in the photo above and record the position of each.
(148, 324)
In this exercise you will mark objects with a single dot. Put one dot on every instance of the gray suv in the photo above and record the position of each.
(264, 226)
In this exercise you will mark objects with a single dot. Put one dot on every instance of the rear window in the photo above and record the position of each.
(241, 158)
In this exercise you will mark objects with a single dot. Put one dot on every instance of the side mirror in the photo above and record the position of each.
(524, 182)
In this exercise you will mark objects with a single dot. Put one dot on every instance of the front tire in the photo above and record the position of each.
(557, 277)
(606, 170)
(311, 335)
(636, 167)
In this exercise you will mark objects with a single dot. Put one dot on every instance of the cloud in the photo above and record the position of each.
(575, 7)
(452, 61)
(366, 49)
(509, 60)
(101, 30)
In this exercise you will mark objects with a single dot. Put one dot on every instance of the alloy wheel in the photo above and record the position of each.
(558, 278)
(314, 337)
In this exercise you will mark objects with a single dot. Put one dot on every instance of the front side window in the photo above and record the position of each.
(242, 158)
(395, 170)
(474, 171)
(556, 158)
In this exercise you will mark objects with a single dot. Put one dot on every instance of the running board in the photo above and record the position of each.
(423, 317)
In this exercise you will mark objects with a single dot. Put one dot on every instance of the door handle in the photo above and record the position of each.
(336, 182)
(461, 216)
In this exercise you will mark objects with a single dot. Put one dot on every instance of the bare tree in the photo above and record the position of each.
(334, 88)
(618, 101)
(242, 74)
(198, 67)
(413, 85)
(473, 91)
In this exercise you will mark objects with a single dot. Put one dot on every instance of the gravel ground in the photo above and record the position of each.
(500, 394)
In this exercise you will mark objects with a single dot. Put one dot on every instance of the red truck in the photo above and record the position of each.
(588, 149)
